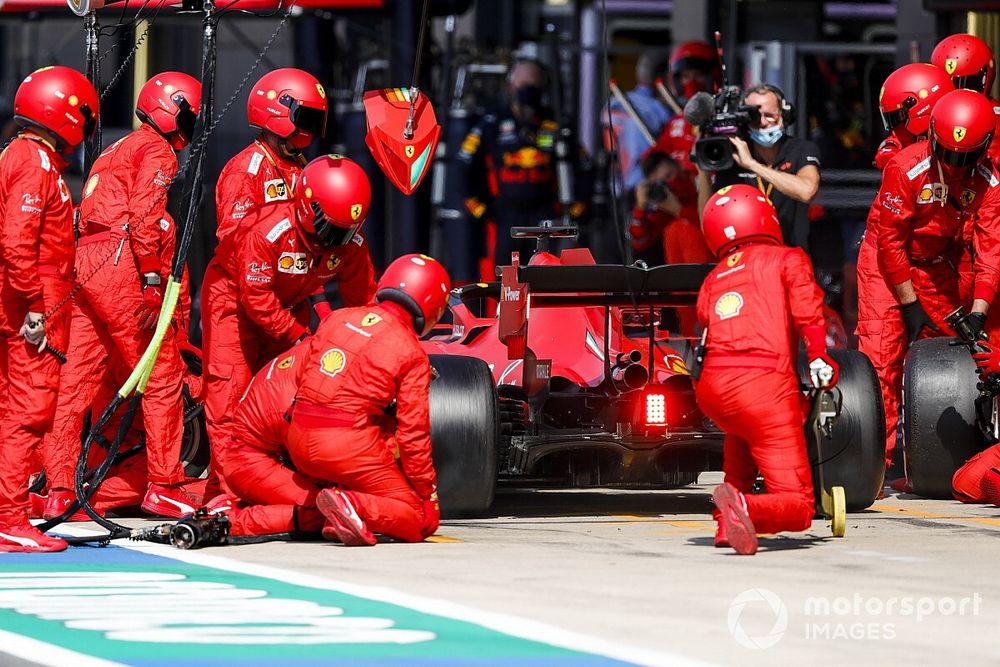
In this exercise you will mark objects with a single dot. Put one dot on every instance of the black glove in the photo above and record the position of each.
(916, 318)
(977, 321)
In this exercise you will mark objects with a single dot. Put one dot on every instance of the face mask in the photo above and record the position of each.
(768, 137)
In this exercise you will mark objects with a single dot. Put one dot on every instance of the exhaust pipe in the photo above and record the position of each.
(630, 376)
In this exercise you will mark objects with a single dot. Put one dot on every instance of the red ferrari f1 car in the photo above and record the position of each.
(572, 382)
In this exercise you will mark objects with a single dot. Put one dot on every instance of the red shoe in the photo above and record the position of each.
(991, 486)
(721, 541)
(901, 485)
(343, 520)
(172, 502)
(221, 504)
(37, 505)
(738, 527)
(26, 538)
(58, 502)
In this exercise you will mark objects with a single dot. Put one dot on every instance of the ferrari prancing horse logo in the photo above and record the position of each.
(356, 211)
(734, 259)
(409, 151)
(959, 133)
(950, 64)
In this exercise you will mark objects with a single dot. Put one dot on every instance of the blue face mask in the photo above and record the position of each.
(768, 137)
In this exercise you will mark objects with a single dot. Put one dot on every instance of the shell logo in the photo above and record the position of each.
(729, 305)
(950, 65)
(734, 259)
(922, 93)
(286, 262)
(409, 151)
(332, 362)
(356, 211)
(91, 185)
(274, 190)
(286, 362)
(959, 133)
(271, 94)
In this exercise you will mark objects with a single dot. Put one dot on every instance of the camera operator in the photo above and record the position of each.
(664, 221)
(784, 168)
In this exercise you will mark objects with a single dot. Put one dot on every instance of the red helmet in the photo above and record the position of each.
(737, 214)
(696, 55)
(419, 284)
(289, 103)
(962, 125)
(967, 60)
(169, 102)
(60, 100)
(909, 94)
(334, 197)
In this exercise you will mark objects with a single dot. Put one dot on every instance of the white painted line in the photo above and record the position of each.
(44, 653)
(511, 625)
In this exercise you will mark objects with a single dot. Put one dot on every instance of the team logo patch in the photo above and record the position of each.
(932, 192)
(722, 191)
(967, 196)
(959, 133)
(332, 263)
(293, 262)
(409, 151)
(729, 305)
(356, 211)
(370, 320)
(319, 89)
(286, 362)
(950, 64)
(275, 190)
(332, 362)
(734, 259)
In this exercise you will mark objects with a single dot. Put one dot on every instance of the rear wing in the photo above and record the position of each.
(613, 284)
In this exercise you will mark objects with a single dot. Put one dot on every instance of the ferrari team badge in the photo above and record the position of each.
(370, 320)
(409, 151)
(332, 362)
(286, 362)
(734, 259)
(950, 64)
(959, 133)
(356, 211)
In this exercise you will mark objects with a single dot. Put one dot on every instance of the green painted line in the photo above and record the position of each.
(157, 607)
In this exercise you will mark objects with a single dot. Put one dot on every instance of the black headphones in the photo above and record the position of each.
(788, 112)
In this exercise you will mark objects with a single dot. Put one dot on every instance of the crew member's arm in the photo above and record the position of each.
(805, 301)
(800, 186)
(413, 432)
(147, 205)
(258, 264)
(986, 243)
(356, 277)
(21, 212)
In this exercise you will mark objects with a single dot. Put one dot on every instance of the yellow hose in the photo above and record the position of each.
(140, 374)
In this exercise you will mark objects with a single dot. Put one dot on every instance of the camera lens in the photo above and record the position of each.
(183, 536)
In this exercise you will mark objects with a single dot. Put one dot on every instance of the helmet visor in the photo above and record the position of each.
(305, 119)
(329, 234)
(186, 116)
(893, 119)
(960, 159)
(89, 121)
(976, 82)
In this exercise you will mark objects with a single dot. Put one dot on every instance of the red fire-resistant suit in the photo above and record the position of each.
(36, 273)
(89, 379)
(281, 499)
(255, 303)
(255, 176)
(124, 232)
(359, 361)
(755, 303)
(915, 237)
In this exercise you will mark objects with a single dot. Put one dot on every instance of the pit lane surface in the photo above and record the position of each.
(633, 577)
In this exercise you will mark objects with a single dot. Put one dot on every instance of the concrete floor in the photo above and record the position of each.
(638, 569)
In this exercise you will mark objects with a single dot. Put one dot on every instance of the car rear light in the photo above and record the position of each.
(656, 408)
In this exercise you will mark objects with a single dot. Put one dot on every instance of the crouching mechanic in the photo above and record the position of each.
(58, 110)
(360, 362)
(255, 295)
(755, 305)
